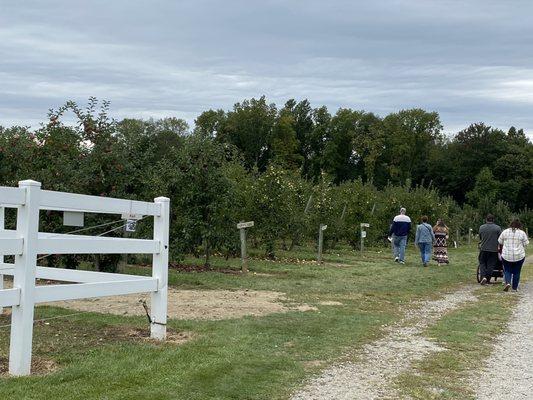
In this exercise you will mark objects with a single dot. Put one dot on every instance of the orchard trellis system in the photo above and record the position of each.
(26, 242)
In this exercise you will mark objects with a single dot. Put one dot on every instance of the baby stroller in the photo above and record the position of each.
(496, 272)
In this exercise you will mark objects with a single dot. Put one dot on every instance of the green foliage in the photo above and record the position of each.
(288, 169)
(486, 188)
(249, 127)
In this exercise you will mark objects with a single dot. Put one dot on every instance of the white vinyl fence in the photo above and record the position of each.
(26, 242)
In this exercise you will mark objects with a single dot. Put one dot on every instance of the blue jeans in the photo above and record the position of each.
(511, 271)
(425, 252)
(398, 246)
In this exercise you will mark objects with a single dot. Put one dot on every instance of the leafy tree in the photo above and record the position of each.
(351, 145)
(200, 194)
(284, 144)
(486, 188)
(409, 136)
(315, 144)
(18, 152)
(210, 123)
(454, 167)
(249, 127)
(303, 126)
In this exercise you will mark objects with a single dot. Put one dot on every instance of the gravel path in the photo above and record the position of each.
(508, 373)
(385, 359)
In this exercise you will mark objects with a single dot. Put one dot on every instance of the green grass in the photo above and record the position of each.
(248, 358)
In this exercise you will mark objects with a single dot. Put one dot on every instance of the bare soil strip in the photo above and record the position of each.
(194, 304)
(383, 360)
(508, 373)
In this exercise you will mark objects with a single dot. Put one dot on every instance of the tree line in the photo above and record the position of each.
(288, 168)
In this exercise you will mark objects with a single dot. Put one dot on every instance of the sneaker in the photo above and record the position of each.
(484, 281)
(402, 262)
(425, 264)
(507, 287)
(396, 259)
(515, 290)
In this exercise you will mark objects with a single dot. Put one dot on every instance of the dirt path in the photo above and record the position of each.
(385, 359)
(194, 304)
(508, 373)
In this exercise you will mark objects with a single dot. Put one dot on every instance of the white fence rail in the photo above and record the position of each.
(25, 243)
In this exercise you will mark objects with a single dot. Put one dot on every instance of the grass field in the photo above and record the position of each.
(99, 356)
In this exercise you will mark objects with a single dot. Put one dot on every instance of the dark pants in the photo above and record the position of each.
(512, 272)
(488, 262)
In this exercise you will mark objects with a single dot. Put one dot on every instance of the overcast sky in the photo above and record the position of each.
(469, 60)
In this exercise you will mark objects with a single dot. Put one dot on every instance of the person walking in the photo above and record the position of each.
(440, 248)
(399, 230)
(489, 233)
(513, 241)
(424, 239)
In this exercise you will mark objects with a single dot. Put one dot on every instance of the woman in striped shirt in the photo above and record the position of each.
(513, 241)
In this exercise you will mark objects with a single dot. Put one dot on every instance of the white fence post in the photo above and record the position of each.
(24, 279)
(2, 226)
(158, 328)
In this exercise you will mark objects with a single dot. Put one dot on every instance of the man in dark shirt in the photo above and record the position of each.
(399, 230)
(488, 248)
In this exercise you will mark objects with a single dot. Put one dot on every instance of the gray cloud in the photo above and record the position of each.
(470, 61)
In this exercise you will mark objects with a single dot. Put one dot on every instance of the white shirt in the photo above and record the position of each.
(514, 242)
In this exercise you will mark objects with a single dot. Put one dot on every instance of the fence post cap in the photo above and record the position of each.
(29, 182)
(162, 200)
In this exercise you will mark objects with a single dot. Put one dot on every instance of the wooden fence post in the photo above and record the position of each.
(244, 257)
(158, 327)
(241, 226)
(24, 279)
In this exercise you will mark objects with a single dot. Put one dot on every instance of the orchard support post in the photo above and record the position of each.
(24, 279)
(158, 326)
(241, 226)
(363, 235)
(321, 230)
(469, 236)
(244, 257)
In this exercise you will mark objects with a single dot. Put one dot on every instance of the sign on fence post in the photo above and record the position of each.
(241, 226)
(363, 234)
(321, 230)
(2, 226)
(24, 278)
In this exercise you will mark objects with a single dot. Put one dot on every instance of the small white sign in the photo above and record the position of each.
(73, 218)
(242, 225)
(132, 216)
(131, 225)
(363, 234)
(324, 227)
